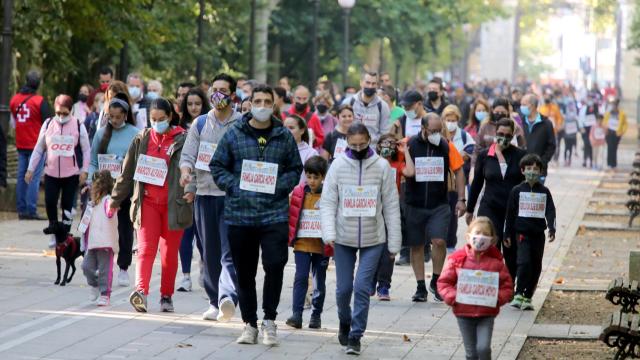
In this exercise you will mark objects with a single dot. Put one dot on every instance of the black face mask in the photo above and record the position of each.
(322, 108)
(497, 116)
(82, 97)
(516, 105)
(369, 91)
(433, 95)
(300, 107)
(360, 154)
(547, 100)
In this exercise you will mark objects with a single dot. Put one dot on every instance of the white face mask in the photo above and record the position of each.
(122, 124)
(434, 139)
(411, 114)
(261, 114)
(479, 242)
(452, 126)
(63, 120)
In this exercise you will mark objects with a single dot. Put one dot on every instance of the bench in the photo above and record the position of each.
(622, 331)
(634, 193)
(624, 293)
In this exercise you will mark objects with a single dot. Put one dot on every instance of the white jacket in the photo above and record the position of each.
(361, 232)
(103, 231)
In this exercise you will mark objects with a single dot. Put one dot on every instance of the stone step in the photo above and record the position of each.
(607, 212)
(608, 200)
(565, 331)
(601, 225)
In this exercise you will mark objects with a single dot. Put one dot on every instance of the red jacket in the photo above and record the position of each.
(313, 123)
(295, 210)
(491, 260)
(160, 146)
(28, 119)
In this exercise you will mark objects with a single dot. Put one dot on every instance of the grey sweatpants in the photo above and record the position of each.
(100, 261)
(476, 336)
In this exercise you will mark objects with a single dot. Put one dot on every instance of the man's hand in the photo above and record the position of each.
(27, 176)
(189, 197)
(185, 176)
(468, 217)
(461, 208)
(552, 236)
(392, 256)
(507, 242)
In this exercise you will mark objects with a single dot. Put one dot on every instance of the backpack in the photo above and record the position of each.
(353, 101)
(77, 150)
(201, 121)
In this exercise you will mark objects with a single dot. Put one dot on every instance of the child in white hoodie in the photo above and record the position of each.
(99, 226)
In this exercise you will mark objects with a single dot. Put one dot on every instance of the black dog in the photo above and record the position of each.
(67, 247)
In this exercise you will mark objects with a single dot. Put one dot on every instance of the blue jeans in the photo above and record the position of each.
(345, 258)
(220, 280)
(186, 247)
(27, 194)
(318, 264)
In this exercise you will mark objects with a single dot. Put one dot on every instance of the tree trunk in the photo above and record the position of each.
(259, 62)
(199, 41)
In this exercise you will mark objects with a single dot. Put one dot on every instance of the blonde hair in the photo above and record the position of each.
(485, 224)
(326, 96)
(451, 110)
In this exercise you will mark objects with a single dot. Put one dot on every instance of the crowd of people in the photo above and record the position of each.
(372, 176)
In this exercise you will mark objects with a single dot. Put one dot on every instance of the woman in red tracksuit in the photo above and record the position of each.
(159, 209)
(475, 282)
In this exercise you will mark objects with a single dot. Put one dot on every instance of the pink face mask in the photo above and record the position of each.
(480, 242)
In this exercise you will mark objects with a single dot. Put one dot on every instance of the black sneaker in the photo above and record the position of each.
(420, 295)
(353, 346)
(435, 293)
(295, 321)
(315, 322)
(403, 261)
(343, 333)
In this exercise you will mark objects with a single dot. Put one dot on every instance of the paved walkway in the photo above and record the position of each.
(43, 321)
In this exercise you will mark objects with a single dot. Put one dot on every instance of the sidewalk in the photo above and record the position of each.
(43, 321)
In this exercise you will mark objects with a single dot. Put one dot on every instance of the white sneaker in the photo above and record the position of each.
(123, 278)
(249, 335)
(201, 278)
(103, 301)
(185, 283)
(211, 314)
(227, 310)
(269, 335)
(95, 293)
(52, 242)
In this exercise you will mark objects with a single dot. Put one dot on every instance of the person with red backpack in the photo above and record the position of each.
(61, 138)
(28, 111)
(300, 107)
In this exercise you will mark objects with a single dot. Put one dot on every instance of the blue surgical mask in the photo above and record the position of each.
(525, 110)
(152, 95)
(160, 126)
(411, 114)
(240, 94)
(481, 115)
(134, 91)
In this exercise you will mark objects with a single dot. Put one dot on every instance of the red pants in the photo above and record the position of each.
(154, 230)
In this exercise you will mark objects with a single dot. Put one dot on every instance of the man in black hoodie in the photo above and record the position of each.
(435, 101)
(538, 132)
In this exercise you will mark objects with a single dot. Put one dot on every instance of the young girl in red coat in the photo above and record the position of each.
(475, 282)
(305, 236)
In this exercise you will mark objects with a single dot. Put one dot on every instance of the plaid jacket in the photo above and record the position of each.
(248, 208)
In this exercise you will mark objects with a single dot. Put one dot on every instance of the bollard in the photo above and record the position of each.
(634, 266)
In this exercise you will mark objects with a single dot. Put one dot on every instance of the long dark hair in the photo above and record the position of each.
(166, 106)
(186, 117)
(108, 131)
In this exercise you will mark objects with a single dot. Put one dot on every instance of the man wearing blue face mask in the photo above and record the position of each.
(140, 106)
(539, 135)
(253, 165)
(409, 124)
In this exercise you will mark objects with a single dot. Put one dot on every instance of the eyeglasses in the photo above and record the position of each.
(61, 113)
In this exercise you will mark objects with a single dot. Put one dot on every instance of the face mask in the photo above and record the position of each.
(387, 152)
(240, 94)
(525, 110)
(433, 95)
(322, 108)
(452, 126)
(497, 116)
(104, 87)
(82, 97)
(123, 124)
(411, 114)
(63, 120)
(547, 100)
(160, 126)
(220, 100)
(134, 91)
(481, 115)
(503, 141)
(152, 95)
(531, 176)
(300, 107)
(516, 105)
(434, 139)
(261, 114)
(360, 154)
(480, 242)
(369, 91)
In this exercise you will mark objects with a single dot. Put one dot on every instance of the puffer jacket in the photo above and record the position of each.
(491, 260)
(360, 232)
(374, 115)
(295, 211)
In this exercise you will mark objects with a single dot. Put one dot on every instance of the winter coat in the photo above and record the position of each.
(295, 213)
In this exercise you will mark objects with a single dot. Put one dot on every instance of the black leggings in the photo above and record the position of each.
(53, 187)
(588, 150)
(125, 232)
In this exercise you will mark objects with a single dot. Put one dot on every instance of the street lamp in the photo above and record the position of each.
(346, 6)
